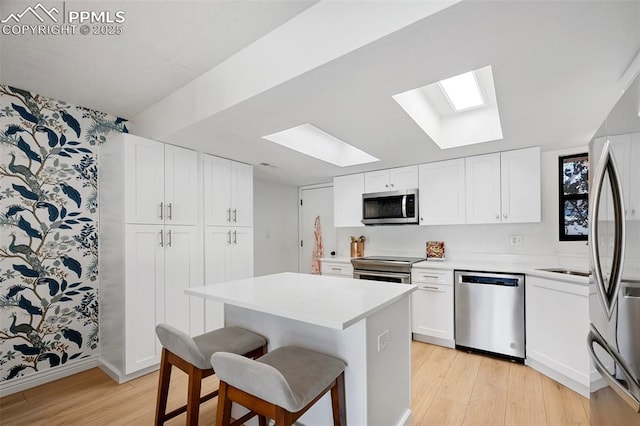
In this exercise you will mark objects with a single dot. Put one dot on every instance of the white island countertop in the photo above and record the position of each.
(332, 302)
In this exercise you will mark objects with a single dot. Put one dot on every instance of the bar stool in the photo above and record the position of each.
(281, 385)
(192, 355)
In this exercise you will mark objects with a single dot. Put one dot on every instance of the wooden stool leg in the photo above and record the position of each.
(163, 388)
(262, 420)
(338, 402)
(283, 417)
(223, 414)
(193, 396)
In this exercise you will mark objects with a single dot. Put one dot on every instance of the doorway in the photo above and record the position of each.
(316, 201)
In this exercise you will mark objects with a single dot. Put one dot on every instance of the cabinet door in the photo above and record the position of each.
(520, 185)
(442, 193)
(217, 269)
(182, 270)
(241, 253)
(181, 189)
(403, 178)
(217, 191)
(432, 311)
(347, 200)
(144, 295)
(241, 194)
(483, 188)
(557, 321)
(377, 181)
(144, 180)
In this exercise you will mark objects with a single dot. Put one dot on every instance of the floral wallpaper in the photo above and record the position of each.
(48, 231)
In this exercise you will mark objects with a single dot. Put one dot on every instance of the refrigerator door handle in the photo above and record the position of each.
(607, 165)
(631, 395)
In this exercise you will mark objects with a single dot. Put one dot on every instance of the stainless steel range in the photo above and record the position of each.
(384, 268)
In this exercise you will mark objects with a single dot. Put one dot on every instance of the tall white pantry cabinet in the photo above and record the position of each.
(228, 227)
(151, 249)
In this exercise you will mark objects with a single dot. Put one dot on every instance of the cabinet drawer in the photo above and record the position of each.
(337, 268)
(432, 276)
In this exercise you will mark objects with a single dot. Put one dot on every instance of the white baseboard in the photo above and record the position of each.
(406, 419)
(121, 378)
(40, 378)
(434, 340)
(581, 388)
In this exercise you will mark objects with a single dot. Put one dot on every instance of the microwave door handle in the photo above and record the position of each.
(625, 394)
(404, 206)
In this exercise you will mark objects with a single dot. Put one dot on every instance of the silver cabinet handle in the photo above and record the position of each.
(386, 185)
(505, 215)
(229, 215)
(429, 288)
(235, 215)
(170, 208)
(161, 210)
(229, 237)
(497, 216)
(392, 185)
(235, 237)
(336, 269)
(161, 239)
(169, 238)
(430, 276)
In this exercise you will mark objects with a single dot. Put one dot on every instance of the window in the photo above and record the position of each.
(574, 197)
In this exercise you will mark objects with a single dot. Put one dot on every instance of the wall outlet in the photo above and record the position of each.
(383, 340)
(516, 240)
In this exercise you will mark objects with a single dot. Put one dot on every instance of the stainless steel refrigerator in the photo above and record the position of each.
(614, 247)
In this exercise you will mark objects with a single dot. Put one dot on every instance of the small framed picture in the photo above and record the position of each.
(435, 250)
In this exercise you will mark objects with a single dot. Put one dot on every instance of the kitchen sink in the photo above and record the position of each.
(565, 271)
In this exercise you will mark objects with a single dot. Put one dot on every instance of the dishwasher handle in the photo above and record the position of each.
(488, 278)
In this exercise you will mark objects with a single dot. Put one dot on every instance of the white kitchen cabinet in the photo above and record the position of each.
(228, 255)
(160, 182)
(145, 267)
(557, 323)
(347, 200)
(337, 268)
(228, 192)
(503, 187)
(396, 179)
(442, 192)
(432, 306)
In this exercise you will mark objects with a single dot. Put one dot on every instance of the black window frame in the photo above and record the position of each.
(562, 198)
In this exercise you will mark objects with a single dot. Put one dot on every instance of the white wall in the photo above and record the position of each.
(275, 227)
(464, 241)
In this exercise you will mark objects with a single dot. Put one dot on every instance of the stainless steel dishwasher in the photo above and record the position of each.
(489, 313)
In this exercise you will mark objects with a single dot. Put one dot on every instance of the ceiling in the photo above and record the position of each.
(557, 68)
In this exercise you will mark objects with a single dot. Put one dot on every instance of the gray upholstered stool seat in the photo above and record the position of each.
(192, 355)
(289, 378)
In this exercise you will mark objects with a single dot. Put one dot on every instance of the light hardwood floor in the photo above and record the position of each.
(449, 388)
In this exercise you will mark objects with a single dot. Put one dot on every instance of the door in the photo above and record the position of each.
(442, 193)
(315, 202)
(181, 187)
(241, 194)
(377, 181)
(217, 269)
(520, 185)
(144, 180)
(241, 253)
(182, 270)
(483, 188)
(432, 310)
(144, 295)
(217, 191)
(403, 178)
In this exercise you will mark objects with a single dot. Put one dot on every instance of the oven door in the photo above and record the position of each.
(392, 277)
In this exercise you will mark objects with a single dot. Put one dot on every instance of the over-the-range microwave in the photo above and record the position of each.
(390, 207)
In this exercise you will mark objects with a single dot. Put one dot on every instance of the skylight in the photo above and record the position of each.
(456, 111)
(314, 142)
(462, 91)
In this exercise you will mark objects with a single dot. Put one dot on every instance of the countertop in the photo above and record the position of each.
(331, 302)
(489, 266)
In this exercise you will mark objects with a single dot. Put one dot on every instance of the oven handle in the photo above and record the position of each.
(404, 278)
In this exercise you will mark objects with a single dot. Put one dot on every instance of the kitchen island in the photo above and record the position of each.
(365, 323)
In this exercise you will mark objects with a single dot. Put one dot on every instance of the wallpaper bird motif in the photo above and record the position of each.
(48, 231)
